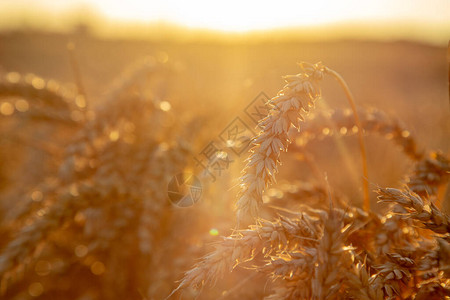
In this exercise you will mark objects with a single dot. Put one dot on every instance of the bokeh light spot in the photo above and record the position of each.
(52, 85)
(80, 101)
(81, 250)
(214, 232)
(80, 218)
(405, 133)
(37, 196)
(13, 77)
(35, 289)
(114, 135)
(42, 268)
(38, 83)
(6, 109)
(22, 105)
(165, 106)
(98, 268)
(73, 190)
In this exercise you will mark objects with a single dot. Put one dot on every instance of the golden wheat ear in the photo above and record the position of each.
(289, 107)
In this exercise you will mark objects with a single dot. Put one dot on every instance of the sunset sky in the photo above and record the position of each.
(235, 15)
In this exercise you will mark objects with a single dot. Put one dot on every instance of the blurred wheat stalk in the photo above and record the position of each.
(104, 203)
(95, 210)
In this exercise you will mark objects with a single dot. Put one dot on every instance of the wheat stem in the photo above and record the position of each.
(362, 147)
(76, 70)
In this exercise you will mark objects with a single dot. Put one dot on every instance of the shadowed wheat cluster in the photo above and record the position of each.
(85, 214)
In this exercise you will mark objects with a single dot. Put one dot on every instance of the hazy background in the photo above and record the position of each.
(394, 56)
(417, 19)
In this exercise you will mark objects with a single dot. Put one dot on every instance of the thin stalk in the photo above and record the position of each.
(362, 147)
(76, 71)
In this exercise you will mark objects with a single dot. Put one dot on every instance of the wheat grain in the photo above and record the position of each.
(359, 286)
(424, 211)
(434, 290)
(393, 274)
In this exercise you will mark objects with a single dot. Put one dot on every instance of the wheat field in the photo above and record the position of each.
(223, 170)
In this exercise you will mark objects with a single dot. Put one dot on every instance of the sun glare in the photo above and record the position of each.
(238, 15)
(235, 15)
(241, 16)
(225, 15)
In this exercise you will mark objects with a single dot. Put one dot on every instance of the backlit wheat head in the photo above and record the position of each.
(294, 100)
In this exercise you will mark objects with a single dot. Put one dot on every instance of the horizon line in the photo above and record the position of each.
(169, 30)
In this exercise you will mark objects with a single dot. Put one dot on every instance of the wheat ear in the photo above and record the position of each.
(429, 174)
(341, 122)
(266, 238)
(418, 208)
(287, 108)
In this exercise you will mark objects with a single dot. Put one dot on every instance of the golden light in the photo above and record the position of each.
(235, 15)
(241, 16)
(214, 232)
(230, 15)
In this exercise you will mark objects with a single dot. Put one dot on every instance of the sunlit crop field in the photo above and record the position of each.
(134, 169)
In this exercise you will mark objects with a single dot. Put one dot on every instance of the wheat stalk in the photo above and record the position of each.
(365, 172)
(110, 185)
